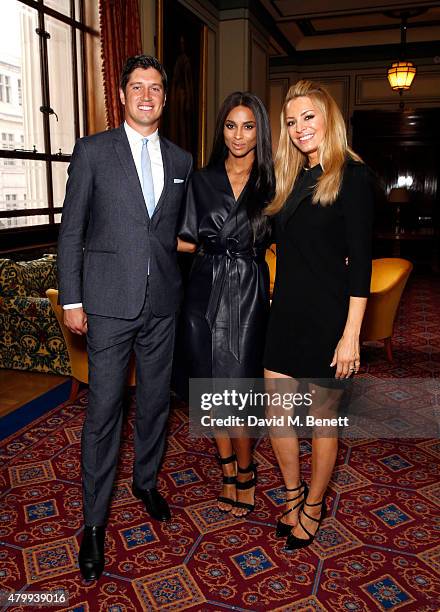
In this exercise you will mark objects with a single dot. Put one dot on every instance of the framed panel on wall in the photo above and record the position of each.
(182, 48)
(277, 92)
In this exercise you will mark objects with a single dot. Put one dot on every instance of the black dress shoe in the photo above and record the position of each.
(91, 553)
(155, 504)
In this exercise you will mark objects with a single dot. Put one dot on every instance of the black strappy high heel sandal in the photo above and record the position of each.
(241, 486)
(294, 543)
(283, 529)
(228, 480)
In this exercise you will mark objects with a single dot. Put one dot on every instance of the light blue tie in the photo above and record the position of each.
(147, 178)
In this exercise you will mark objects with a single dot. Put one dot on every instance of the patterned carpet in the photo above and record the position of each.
(377, 550)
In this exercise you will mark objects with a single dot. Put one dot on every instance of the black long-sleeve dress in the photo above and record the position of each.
(226, 305)
(313, 282)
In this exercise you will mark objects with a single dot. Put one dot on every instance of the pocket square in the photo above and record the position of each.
(178, 180)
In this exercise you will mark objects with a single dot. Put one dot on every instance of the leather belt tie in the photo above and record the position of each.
(228, 253)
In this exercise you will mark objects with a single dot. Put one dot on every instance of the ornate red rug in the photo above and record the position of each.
(377, 550)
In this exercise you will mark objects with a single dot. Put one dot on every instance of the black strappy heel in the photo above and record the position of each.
(228, 480)
(294, 543)
(283, 529)
(241, 486)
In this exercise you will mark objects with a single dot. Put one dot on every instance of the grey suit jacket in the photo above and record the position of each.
(107, 238)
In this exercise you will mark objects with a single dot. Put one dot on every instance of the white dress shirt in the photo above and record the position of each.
(135, 141)
(153, 145)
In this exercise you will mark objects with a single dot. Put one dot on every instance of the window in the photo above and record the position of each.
(5, 88)
(11, 201)
(11, 205)
(8, 143)
(7, 139)
(43, 83)
(8, 89)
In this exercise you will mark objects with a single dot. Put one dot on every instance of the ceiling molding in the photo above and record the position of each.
(308, 29)
(360, 29)
(357, 54)
(317, 9)
(261, 14)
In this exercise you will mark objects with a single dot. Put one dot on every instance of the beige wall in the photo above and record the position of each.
(243, 56)
(259, 64)
(233, 57)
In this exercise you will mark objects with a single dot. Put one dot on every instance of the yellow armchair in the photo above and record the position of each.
(388, 281)
(271, 260)
(77, 350)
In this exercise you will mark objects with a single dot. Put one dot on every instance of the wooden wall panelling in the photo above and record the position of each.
(277, 92)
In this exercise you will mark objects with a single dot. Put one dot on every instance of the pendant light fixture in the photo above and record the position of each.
(402, 72)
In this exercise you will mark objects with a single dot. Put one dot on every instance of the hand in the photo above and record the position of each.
(185, 247)
(75, 319)
(346, 357)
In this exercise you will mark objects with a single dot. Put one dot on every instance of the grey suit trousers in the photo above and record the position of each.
(110, 344)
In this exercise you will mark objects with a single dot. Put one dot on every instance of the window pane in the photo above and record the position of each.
(58, 218)
(59, 178)
(22, 187)
(62, 6)
(20, 85)
(62, 132)
(77, 10)
(23, 221)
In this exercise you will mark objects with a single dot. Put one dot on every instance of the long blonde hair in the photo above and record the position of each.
(332, 152)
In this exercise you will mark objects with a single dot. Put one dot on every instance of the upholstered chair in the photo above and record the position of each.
(77, 349)
(271, 259)
(30, 338)
(388, 280)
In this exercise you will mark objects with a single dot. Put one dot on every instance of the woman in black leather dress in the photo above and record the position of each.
(322, 212)
(226, 305)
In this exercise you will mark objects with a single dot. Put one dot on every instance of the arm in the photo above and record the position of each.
(347, 353)
(185, 247)
(188, 231)
(186, 228)
(358, 204)
(71, 239)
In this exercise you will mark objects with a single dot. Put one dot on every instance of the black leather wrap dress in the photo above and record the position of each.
(226, 306)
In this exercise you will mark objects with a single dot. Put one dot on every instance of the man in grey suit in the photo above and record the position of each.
(119, 282)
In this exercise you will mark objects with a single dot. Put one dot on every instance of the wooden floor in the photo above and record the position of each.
(18, 387)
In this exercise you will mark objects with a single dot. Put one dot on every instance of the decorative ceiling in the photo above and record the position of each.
(360, 29)
(314, 25)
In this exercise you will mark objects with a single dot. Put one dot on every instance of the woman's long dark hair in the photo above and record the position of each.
(262, 179)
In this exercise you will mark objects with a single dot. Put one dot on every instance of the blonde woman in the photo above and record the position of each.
(322, 212)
